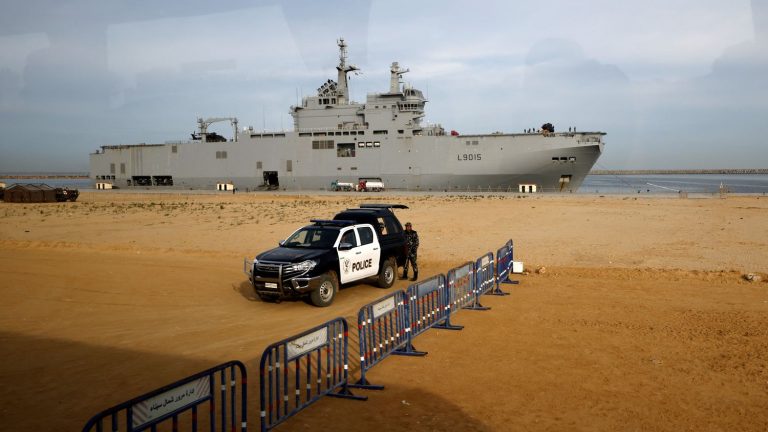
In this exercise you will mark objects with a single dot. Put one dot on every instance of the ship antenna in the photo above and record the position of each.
(342, 53)
(342, 91)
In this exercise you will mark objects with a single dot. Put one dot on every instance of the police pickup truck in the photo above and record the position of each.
(366, 242)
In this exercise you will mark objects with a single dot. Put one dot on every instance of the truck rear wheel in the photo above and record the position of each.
(323, 296)
(387, 273)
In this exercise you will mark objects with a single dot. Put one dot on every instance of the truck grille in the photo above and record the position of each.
(272, 270)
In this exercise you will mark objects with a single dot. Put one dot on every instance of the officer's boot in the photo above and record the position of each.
(405, 274)
(415, 275)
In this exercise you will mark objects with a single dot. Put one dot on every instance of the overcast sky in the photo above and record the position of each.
(674, 84)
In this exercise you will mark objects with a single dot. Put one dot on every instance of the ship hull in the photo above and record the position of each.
(311, 161)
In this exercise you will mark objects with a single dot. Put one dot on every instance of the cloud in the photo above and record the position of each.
(672, 83)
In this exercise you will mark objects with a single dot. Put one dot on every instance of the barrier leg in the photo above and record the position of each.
(345, 393)
(364, 384)
(497, 290)
(476, 305)
(409, 350)
(446, 324)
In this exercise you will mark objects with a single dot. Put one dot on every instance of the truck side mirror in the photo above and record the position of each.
(345, 246)
(281, 243)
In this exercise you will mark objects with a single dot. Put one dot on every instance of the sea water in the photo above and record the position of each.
(675, 183)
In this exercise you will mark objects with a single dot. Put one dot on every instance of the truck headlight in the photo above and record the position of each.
(303, 266)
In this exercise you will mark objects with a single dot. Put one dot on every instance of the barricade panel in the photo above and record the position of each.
(485, 272)
(462, 291)
(428, 304)
(178, 403)
(299, 370)
(503, 267)
(510, 245)
(381, 327)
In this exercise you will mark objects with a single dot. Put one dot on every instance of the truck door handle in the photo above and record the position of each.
(358, 253)
(375, 248)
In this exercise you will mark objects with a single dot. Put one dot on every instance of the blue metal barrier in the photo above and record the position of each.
(178, 404)
(485, 274)
(461, 288)
(511, 246)
(383, 328)
(503, 269)
(298, 371)
(429, 305)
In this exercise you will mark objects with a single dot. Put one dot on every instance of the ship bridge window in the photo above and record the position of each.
(322, 145)
(380, 132)
(400, 131)
(221, 155)
(376, 144)
(361, 144)
(369, 144)
(345, 150)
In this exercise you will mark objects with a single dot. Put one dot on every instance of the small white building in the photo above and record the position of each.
(527, 188)
(103, 186)
(225, 186)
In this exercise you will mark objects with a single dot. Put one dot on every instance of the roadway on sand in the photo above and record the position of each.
(641, 319)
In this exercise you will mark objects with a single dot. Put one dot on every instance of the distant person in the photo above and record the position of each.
(411, 249)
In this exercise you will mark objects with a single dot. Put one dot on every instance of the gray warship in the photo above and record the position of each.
(336, 140)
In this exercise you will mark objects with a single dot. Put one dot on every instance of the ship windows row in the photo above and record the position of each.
(561, 159)
(336, 133)
(343, 149)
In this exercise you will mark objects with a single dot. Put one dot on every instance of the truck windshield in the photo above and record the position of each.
(313, 238)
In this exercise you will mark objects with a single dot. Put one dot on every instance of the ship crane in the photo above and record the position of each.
(202, 126)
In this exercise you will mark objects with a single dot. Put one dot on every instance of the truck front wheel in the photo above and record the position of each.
(387, 273)
(323, 296)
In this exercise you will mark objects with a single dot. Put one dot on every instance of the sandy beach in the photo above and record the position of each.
(640, 320)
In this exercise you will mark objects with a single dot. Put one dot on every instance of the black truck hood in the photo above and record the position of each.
(291, 255)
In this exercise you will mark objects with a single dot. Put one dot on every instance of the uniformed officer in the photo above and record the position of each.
(412, 247)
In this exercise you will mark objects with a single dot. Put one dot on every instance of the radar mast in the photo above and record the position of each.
(343, 68)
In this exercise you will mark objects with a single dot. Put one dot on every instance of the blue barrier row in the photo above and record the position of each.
(178, 403)
(389, 325)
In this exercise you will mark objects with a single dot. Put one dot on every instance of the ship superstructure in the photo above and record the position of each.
(335, 139)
